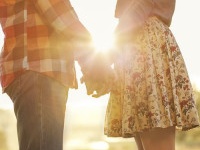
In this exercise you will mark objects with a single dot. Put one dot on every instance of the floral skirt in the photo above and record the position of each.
(153, 88)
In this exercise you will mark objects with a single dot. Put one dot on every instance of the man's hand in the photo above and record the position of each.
(98, 75)
(97, 89)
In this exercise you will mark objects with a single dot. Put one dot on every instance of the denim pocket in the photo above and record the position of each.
(13, 89)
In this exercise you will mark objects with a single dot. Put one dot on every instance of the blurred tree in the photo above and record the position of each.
(192, 137)
(8, 131)
(3, 145)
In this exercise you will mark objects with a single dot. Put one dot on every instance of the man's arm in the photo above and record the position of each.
(61, 16)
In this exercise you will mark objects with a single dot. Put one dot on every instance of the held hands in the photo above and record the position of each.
(97, 89)
(98, 75)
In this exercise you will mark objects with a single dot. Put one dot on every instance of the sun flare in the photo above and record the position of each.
(98, 18)
(103, 42)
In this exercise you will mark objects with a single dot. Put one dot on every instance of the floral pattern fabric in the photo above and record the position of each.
(153, 88)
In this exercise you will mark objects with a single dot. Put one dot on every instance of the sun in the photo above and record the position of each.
(98, 17)
(102, 41)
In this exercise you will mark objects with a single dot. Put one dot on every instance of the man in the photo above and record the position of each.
(37, 66)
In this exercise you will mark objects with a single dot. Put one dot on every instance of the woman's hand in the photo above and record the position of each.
(97, 87)
(98, 75)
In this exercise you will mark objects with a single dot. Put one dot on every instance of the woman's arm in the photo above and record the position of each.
(135, 14)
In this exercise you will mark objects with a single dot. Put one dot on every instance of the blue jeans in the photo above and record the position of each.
(39, 105)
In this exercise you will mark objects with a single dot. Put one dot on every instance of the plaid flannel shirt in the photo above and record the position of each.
(33, 40)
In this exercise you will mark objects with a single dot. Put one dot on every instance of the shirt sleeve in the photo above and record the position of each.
(136, 13)
(58, 13)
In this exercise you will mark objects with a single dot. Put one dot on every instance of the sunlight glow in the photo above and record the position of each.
(103, 42)
(98, 18)
(99, 145)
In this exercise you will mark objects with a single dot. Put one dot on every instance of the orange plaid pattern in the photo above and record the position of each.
(33, 41)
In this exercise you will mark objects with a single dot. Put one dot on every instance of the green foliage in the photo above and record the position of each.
(191, 137)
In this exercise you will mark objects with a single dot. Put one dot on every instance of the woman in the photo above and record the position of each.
(153, 94)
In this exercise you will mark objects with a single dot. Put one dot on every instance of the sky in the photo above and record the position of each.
(98, 17)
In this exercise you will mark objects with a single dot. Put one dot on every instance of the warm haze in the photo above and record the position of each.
(98, 17)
